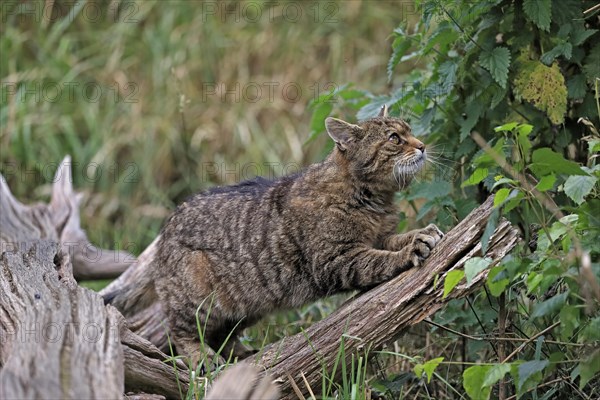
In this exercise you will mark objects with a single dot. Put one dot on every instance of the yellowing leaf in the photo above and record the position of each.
(429, 367)
(545, 88)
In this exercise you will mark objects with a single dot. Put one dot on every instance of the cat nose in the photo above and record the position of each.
(420, 146)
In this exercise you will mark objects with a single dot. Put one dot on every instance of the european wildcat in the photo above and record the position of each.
(264, 244)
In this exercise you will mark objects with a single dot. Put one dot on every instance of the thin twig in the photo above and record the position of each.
(531, 339)
(539, 386)
(312, 395)
(481, 324)
(592, 9)
(501, 346)
(295, 387)
(453, 331)
(497, 338)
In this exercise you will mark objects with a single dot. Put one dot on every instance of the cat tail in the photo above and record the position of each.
(132, 297)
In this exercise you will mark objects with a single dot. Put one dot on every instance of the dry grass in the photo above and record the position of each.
(157, 133)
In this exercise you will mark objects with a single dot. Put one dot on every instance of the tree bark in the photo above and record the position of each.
(380, 315)
(59, 340)
(20, 225)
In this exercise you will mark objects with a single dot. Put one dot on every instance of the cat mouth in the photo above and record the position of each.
(408, 167)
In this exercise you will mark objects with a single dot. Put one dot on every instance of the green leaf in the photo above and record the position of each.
(495, 284)
(490, 227)
(317, 121)
(533, 281)
(546, 183)
(550, 306)
(429, 367)
(452, 279)
(506, 127)
(589, 368)
(577, 187)
(524, 129)
(577, 86)
(429, 190)
(399, 47)
(474, 109)
(513, 200)
(569, 320)
(496, 373)
(447, 71)
(528, 370)
(546, 161)
(474, 266)
(580, 34)
(477, 176)
(372, 108)
(544, 87)
(539, 12)
(557, 230)
(473, 379)
(496, 62)
(593, 146)
(564, 49)
(592, 331)
(500, 196)
(591, 64)
(500, 180)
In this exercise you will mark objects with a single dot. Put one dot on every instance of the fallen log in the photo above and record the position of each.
(59, 340)
(380, 315)
(376, 317)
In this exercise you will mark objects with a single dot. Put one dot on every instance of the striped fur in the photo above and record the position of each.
(242, 251)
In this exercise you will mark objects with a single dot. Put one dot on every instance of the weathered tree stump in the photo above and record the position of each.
(59, 221)
(57, 339)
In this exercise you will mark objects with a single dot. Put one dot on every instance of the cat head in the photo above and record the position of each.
(379, 151)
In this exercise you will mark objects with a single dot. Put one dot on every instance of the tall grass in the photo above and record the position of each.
(135, 92)
(157, 132)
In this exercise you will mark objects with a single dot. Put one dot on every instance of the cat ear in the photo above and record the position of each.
(342, 132)
(383, 113)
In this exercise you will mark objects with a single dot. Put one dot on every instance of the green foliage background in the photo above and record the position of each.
(522, 76)
(510, 90)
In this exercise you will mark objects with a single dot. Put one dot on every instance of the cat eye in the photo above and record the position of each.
(394, 138)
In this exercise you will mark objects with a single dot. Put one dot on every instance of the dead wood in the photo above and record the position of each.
(243, 382)
(20, 225)
(59, 340)
(380, 315)
(376, 317)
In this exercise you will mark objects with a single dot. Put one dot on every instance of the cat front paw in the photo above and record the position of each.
(423, 243)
